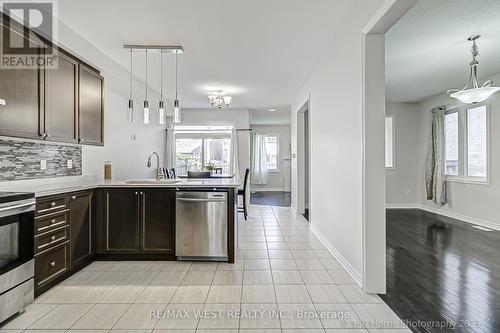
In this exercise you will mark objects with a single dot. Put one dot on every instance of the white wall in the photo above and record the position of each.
(335, 115)
(471, 202)
(237, 117)
(276, 180)
(402, 187)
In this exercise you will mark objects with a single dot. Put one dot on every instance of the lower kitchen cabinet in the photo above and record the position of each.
(158, 221)
(51, 264)
(121, 215)
(80, 210)
(138, 221)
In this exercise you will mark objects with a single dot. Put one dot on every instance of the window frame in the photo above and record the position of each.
(393, 167)
(463, 159)
(277, 170)
(203, 136)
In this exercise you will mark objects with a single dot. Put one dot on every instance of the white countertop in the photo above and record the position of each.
(45, 187)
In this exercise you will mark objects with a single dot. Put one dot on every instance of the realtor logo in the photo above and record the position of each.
(28, 30)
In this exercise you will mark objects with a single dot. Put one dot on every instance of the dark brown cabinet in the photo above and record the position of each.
(158, 221)
(21, 89)
(60, 117)
(80, 209)
(90, 102)
(121, 221)
(139, 221)
(63, 103)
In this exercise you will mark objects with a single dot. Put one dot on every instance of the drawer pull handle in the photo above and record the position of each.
(53, 238)
(53, 221)
(73, 197)
(52, 204)
(52, 263)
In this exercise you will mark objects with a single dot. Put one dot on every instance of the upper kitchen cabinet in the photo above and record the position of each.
(61, 88)
(91, 89)
(21, 88)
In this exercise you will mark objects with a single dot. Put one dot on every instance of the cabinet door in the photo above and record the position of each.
(158, 221)
(90, 107)
(21, 89)
(81, 226)
(122, 221)
(61, 100)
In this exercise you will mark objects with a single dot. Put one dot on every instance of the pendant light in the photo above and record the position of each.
(177, 109)
(146, 100)
(161, 104)
(476, 93)
(130, 110)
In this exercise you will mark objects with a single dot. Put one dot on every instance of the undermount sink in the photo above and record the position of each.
(152, 182)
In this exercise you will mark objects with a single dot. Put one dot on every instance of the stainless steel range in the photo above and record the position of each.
(17, 213)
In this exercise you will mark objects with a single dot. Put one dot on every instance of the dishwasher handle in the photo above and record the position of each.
(201, 200)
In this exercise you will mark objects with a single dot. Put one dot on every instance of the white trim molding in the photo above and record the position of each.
(343, 262)
(448, 213)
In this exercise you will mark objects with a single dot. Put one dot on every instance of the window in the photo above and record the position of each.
(477, 151)
(451, 143)
(272, 148)
(466, 144)
(389, 142)
(196, 149)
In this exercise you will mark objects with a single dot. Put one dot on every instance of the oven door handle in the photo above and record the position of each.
(17, 209)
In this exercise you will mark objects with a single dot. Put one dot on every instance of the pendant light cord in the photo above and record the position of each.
(131, 78)
(161, 75)
(146, 75)
(176, 76)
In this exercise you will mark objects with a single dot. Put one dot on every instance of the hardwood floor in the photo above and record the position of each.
(282, 199)
(440, 270)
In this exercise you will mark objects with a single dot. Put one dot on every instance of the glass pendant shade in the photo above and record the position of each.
(477, 95)
(227, 100)
(177, 112)
(130, 111)
(146, 112)
(161, 113)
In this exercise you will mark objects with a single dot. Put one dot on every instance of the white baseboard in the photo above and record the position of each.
(336, 254)
(448, 213)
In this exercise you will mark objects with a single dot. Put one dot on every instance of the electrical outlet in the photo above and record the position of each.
(70, 164)
(43, 164)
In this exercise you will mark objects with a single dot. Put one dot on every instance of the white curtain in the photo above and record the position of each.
(434, 168)
(170, 149)
(235, 161)
(258, 165)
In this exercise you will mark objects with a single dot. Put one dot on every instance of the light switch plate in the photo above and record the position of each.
(43, 164)
(70, 164)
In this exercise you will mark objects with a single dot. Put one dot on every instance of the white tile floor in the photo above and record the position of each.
(284, 280)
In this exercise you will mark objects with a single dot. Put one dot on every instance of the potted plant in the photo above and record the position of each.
(210, 167)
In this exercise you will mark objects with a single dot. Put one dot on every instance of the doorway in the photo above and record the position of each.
(303, 161)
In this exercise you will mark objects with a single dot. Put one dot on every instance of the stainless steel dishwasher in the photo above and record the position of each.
(201, 225)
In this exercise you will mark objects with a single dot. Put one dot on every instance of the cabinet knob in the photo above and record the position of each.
(43, 135)
(53, 238)
(52, 221)
(52, 263)
(141, 193)
(52, 204)
(136, 193)
(73, 197)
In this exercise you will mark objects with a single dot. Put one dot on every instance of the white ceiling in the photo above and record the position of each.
(262, 116)
(427, 52)
(261, 52)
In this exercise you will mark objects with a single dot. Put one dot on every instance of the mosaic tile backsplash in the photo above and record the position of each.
(21, 160)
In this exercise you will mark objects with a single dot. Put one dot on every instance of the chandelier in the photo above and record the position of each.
(218, 99)
(473, 92)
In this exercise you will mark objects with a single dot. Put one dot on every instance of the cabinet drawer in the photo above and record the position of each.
(46, 240)
(51, 204)
(50, 222)
(51, 263)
